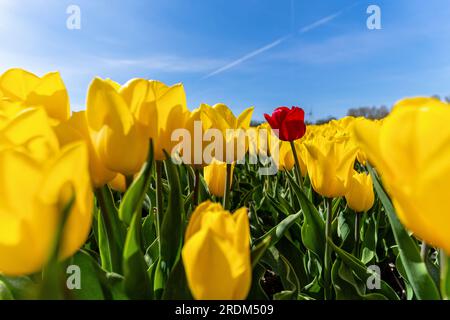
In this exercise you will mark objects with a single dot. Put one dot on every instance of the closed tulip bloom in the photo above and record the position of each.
(47, 92)
(121, 141)
(289, 122)
(38, 180)
(77, 129)
(214, 175)
(191, 150)
(216, 253)
(360, 196)
(160, 109)
(329, 162)
(410, 151)
(234, 141)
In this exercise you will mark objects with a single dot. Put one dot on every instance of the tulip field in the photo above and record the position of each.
(141, 197)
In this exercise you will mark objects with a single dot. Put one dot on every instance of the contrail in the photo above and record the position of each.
(248, 56)
(277, 42)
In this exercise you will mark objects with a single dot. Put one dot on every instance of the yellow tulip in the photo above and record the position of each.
(286, 157)
(216, 253)
(192, 150)
(360, 196)
(160, 109)
(329, 162)
(38, 179)
(76, 129)
(215, 175)
(232, 129)
(120, 140)
(410, 151)
(48, 92)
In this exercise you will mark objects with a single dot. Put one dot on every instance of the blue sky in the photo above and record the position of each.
(315, 54)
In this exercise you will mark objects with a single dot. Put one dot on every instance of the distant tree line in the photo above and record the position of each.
(369, 112)
(366, 112)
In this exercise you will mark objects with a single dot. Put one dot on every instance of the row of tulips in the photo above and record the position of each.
(99, 189)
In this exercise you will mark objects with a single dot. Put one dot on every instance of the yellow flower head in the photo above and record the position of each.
(29, 90)
(121, 142)
(215, 175)
(232, 130)
(329, 162)
(216, 253)
(360, 196)
(38, 179)
(410, 149)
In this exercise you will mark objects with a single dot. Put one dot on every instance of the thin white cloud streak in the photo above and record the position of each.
(277, 42)
(320, 22)
(247, 56)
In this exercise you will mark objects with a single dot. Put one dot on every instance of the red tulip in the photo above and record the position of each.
(289, 122)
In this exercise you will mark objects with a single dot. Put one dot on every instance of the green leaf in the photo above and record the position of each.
(90, 284)
(22, 288)
(103, 243)
(288, 279)
(445, 280)
(361, 271)
(295, 257)
(137, 284)
(272, 237)
(176, 286)
(172, 227)
(256, 291)
(148, 230)
(347, 287)
(313, 229)
(259, 250)
(369, 242)
(135, 195)
(416, 270)
(5, 293)
(111, 231)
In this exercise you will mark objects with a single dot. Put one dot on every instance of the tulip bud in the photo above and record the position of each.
(289, 122)
(234, 142)
(216, 253)
(215, 175)
(360, 196)
(330, 164)
(121, 142)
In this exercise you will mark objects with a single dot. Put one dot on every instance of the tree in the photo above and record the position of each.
(369, 112)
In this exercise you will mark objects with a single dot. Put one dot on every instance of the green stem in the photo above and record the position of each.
(195, 198)
(357, 233)
(298, 174)
(159, 195)
(327, 257)
(228, 178)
